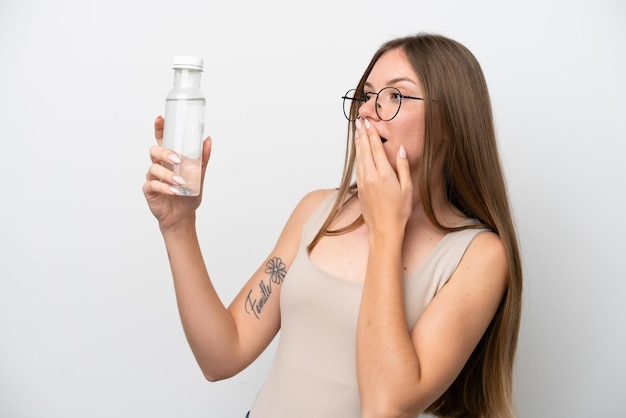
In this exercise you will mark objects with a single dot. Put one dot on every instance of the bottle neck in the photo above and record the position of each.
(186, 78)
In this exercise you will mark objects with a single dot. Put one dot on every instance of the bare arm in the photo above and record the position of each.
(401, 373)
(226, 340)
(223, 340)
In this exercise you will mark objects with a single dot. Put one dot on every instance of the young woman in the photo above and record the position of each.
(396, 294)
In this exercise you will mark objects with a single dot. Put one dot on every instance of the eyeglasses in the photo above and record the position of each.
(387, 105)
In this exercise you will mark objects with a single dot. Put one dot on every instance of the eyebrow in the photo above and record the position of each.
(393, 81)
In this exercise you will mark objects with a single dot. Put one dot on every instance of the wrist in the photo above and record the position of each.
(386, 235)
(187, 224)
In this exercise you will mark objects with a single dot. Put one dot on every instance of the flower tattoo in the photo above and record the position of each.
(276, 269)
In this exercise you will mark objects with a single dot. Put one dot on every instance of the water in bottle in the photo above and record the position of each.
(184, 123)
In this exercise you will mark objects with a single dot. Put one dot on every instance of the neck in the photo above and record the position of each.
(444, 212)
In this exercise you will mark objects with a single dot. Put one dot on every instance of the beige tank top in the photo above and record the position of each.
(314, 370)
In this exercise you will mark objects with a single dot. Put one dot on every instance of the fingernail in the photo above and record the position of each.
(367, 124)
(174, 158)
(179, 180)
(173, 190)
(402, 152)
(358, 123)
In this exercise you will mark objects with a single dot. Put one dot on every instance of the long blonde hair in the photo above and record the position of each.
(460, 139)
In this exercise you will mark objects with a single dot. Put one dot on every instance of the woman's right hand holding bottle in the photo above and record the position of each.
(168, 208)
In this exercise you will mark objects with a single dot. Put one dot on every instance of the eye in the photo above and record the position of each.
(396, 97)
(390, 95)
(366, 96)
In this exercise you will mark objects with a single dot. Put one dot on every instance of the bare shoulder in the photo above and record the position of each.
(487, 246)
(315, 197)
(485, 260)
(301, 213)
(309, 203)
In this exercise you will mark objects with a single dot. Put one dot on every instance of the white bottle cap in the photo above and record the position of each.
(191, 63)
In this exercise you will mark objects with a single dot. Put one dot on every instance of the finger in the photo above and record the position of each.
(404, 171)
(158, 154)
(363, 147)
(159, 123)
(358, 154)
(207, 146)
(154, 187)
(379, 157)
(163, 174)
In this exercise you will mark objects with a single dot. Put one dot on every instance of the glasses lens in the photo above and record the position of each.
(388, 103)
(351, 105)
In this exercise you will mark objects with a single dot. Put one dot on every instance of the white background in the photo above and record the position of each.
(88, 321)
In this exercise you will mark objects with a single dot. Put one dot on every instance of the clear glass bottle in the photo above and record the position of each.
(184, 122)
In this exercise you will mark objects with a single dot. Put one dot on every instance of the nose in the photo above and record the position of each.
(368, 109)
